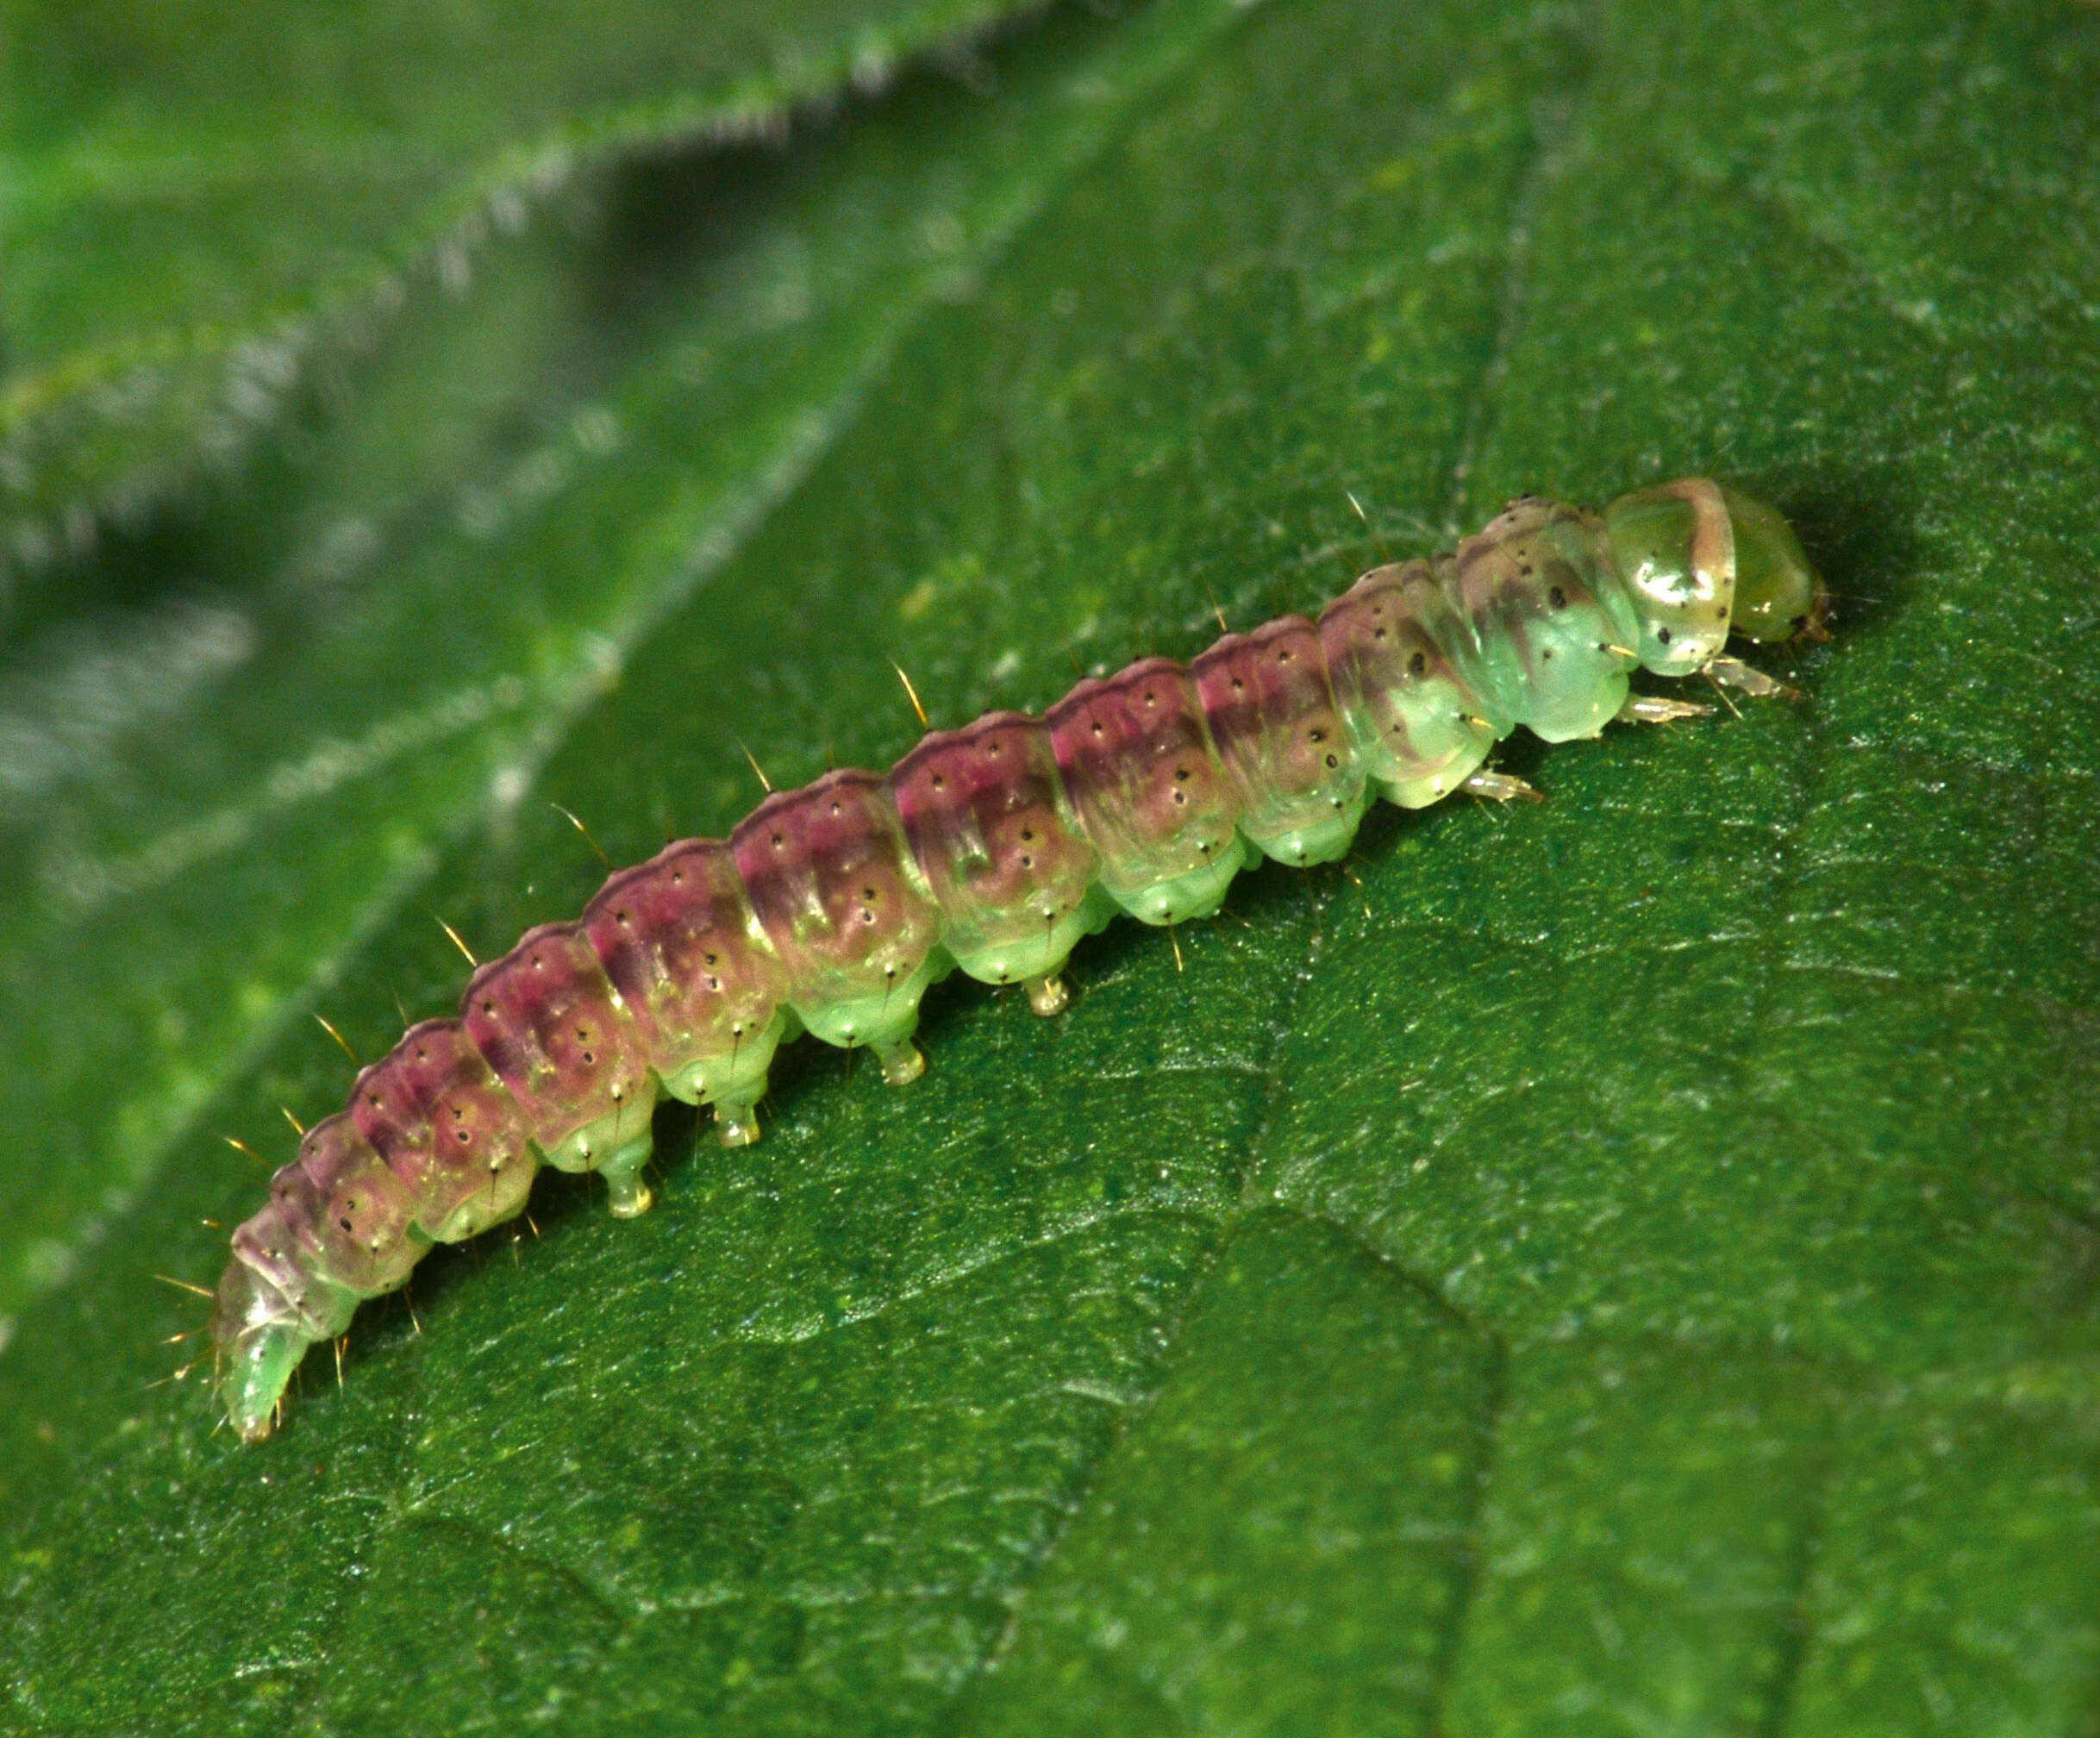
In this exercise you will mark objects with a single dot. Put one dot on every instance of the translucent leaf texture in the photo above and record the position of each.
(1622, 1267)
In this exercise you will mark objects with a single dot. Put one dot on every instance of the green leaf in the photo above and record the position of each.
(1623, 1267)
(209, 207)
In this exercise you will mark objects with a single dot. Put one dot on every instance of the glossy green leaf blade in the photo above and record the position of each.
(1618, 1267)
(206, 205)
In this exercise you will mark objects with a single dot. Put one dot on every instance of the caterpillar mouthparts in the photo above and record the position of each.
(992, 849)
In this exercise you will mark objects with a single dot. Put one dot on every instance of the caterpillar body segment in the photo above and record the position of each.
(1134, 752)
(697, 974)
(557, 1035)
(848, 910)
(434, 1109)
(1279, 734)
(1004, 857)
(994, 849)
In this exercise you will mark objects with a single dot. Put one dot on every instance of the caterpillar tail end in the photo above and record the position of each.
(258, 1340)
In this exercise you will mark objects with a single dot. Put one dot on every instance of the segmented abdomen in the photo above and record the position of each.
(994, 848)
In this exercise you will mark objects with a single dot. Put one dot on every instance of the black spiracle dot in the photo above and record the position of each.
(1418, 665)
(1662, 636)
(1558, 598)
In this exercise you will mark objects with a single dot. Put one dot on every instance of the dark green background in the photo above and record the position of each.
(1624, 1266)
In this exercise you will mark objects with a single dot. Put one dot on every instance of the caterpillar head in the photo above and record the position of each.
(1777, 595)
(1699, 561)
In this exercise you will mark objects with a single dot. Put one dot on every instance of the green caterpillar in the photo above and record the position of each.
(993, 849)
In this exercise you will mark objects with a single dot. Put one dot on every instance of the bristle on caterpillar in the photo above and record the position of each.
(993, 849)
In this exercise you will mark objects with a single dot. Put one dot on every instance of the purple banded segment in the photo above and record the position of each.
(1136, 755)
(552, 1029)
(853, 921)
(985, 814)
(707, 995)
(435, 1110)
(351, 1219)
(1280, 736)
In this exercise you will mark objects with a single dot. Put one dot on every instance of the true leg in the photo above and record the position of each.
(1733, 673)
(1650, 709)
(1500, 787)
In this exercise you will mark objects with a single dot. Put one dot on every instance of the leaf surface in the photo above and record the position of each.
(1624, 1266)
(211, 209)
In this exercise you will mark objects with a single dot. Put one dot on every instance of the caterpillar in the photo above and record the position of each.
(994, 849)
